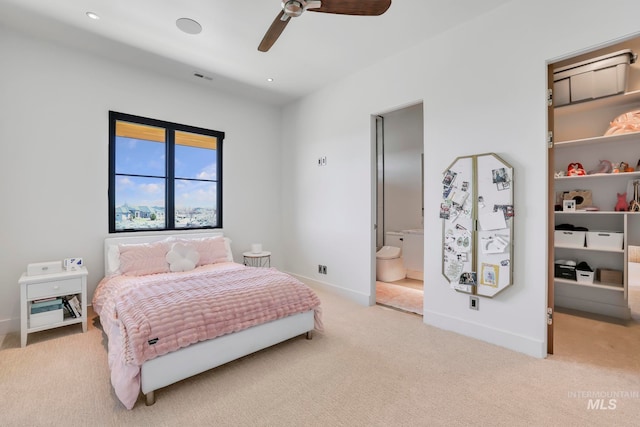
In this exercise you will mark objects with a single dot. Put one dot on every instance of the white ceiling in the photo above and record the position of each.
(314, 49)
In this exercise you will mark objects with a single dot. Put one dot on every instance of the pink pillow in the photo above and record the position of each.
(144, 258)
(211, 250)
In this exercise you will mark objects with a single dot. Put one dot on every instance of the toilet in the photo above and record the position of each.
(389, 263)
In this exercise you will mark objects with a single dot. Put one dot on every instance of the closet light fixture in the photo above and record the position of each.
(93, 15)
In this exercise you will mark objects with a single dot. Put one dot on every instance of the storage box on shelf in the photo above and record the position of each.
(562, 270)
(594, 78)
(604, 240)
(614, 277)
(45, 318)
(570, 238)
(583, 276)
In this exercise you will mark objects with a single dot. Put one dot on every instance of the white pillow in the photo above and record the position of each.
(182, 257)
(113, 260)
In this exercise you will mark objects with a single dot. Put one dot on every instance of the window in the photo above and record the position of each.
(163, 176)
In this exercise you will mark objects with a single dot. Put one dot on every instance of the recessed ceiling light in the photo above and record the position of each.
(269, 79)
(92, 15)
(189, 26)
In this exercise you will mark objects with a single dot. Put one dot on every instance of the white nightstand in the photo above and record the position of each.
(257, 259)
(51, 285)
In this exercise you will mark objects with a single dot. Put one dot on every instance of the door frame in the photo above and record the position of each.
(551, 209)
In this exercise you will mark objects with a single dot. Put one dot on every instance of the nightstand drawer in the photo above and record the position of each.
(55, 287)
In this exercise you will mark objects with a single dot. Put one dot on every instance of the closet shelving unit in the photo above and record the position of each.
(578, 138)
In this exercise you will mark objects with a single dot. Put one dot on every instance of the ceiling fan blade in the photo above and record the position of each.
(273, 32)
(353, 7)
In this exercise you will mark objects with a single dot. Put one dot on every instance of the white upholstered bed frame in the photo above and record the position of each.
(197, 358)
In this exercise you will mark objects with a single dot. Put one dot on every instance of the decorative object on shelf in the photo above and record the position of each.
(71, 264)
(624, 167)
(581, 197)
(575, 169)
(634, 206)
(477, 219)
(560, 174)
(615, 167)
(605, 166)
(49, 267)
(621, 206)
(569, 205)
(625, 123)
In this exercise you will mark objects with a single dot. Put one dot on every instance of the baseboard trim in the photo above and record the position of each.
(350, 294)
(502, 338)
(9, 326)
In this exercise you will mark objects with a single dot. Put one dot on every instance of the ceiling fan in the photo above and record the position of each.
(294, 8)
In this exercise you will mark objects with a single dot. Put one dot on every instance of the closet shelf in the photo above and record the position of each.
(596, 213)
(620, 251)
(628, 98)
(625, 137)
(596, 284)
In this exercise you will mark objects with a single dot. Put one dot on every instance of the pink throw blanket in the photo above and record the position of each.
(147, 316)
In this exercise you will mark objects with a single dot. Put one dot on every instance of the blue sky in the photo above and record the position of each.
(139, 157)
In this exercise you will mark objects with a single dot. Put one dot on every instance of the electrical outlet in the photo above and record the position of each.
(319, 269)
(474, 303)
(324, 269)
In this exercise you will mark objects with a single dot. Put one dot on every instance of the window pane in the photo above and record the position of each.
(193, 162)
(140, 157)
(139, 203)
(196, 203)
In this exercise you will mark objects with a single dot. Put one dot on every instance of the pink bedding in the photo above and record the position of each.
(148, 316)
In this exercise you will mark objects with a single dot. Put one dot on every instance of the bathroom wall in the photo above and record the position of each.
(403, 142)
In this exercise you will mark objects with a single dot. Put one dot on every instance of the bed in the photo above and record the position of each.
(175, 306)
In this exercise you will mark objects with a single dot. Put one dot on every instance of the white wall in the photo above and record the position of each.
(483, 85)
(54, 156)
(403, 144)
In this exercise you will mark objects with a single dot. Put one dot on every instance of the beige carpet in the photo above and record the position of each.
(405, 298)
(372, 366)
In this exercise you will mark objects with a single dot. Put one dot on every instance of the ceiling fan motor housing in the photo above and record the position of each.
(294, 8)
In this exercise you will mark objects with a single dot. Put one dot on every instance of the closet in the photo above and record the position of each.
(592, 172)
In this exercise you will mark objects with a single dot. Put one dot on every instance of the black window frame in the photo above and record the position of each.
(170, 128)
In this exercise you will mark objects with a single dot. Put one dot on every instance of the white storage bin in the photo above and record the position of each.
(591, 79)
(604, 239)
(583, 276)
(46, 318)
(571, 238)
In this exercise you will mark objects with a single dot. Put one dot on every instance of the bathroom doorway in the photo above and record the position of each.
(399, 211)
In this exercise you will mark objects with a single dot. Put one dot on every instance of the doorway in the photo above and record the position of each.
(399, 205)
(595, 315)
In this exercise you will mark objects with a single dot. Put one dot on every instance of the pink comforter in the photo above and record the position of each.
(148, 316)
